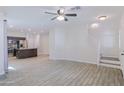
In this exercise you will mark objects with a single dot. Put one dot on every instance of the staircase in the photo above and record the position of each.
(110, 62)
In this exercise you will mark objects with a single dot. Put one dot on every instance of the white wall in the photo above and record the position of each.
(77, 41)
(121, 43)
(40, 41)
(109, 41)
(121, 35)
(70, 42)
(31, 38)
(44, 43)
(110, 45)
(1, 48)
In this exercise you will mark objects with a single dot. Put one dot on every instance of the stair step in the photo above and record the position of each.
(110, 65)
(110, 58)
(110, 62)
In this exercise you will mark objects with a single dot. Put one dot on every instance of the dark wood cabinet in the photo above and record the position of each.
(26, 53)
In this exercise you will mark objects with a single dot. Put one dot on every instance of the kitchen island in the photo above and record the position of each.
(26, 53)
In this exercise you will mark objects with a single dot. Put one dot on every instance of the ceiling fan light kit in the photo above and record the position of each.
(60, 11)
(60, 15)
(60, 18)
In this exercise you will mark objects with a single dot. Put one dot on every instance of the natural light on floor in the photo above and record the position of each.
(11, 68)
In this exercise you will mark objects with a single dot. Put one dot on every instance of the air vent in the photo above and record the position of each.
(76, 8)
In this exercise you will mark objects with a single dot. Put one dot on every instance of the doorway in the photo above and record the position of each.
(15, 43)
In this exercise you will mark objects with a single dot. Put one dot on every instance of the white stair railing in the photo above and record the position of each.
(98, 53)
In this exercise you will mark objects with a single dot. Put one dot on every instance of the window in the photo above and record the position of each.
(108, 41)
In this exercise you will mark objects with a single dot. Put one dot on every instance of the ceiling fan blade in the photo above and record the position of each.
(50, 13)
(70, 14)
(54, 18)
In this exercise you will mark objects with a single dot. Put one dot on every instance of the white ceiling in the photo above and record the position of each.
(24, 17)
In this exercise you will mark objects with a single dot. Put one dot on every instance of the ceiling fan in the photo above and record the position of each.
(60, 15)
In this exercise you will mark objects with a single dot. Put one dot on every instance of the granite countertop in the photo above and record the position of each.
(26, 48)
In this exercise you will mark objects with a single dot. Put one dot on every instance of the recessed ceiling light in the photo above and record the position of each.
(102, 18)
(94, 25)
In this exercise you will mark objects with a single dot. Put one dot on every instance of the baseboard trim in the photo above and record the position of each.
(111, 56)
(81, 61)
(43, 54)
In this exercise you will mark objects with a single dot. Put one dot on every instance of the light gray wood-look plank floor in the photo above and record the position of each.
(40, 71)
